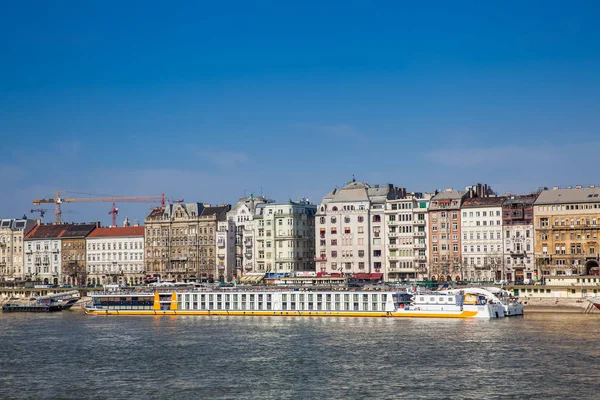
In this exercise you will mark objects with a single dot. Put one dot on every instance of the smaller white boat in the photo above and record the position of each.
(595, 301)
(511, 305)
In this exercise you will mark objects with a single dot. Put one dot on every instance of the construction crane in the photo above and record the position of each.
(41, 211)
(58, 200)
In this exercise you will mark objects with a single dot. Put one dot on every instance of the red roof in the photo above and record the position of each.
(123, 231)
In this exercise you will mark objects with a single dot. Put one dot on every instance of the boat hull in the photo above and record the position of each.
(31, 308)
(398, 314)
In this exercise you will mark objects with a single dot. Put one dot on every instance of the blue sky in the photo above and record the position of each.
(207, 101)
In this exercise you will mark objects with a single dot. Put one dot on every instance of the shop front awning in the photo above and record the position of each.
(368, 277)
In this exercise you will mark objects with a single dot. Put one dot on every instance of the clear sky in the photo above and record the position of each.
(208, 101)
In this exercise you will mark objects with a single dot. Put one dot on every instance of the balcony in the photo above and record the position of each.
(322, 258)
(248, 243)
(221, 256)
(221, 243)
(420, 258)
(419, 245)
(419, 222)
(419, 234)
(393, 246)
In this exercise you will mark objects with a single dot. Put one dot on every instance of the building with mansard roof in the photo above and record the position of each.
(12, 236)
(236, 252)
(43, 253)
(181, 241)
(350, 230)
(567, 225)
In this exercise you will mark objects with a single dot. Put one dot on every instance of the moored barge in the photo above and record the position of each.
(334, 303)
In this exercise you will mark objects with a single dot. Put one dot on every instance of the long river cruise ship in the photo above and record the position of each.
(332, 303)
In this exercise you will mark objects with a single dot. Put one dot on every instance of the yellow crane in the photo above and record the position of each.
(58, 200)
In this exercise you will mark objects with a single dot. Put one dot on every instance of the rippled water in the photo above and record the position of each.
(73, 356)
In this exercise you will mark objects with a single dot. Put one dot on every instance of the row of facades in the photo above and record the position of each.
(367, 232)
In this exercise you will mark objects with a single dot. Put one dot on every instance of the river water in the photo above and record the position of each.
(70, 355)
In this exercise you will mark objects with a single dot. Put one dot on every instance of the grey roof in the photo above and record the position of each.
(17, 224)
(250, 202)
(189, 208)
(360, 191)
(563, 196)
(449, 195)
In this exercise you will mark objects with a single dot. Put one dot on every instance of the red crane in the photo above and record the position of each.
(114, 199)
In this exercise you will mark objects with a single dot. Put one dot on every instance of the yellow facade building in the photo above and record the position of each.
(567, 226)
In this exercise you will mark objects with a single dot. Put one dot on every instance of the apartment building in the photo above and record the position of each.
(115, 255)
(352, 234)
(519, 239)
(74, 259)
(225, 251)
(181, 241)
(43, 253)
(481, 230)
(406, 234)
(284, 237)
(567, 224)
(12, 236)
(444, 235)
(240, 222)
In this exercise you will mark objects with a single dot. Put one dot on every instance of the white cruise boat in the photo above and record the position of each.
(511, 305)
(334, 303)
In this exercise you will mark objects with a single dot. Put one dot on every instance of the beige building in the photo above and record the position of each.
(181, 242)
(284, 237)
(12, 236)
(74, 259)
(567, 224)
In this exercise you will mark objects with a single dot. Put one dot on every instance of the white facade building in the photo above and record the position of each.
(519, 238)
(351, 234)
(284, 235)
(43, 253)
(226, 251)
(481, 229)
(115, 255)
(241, 223)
